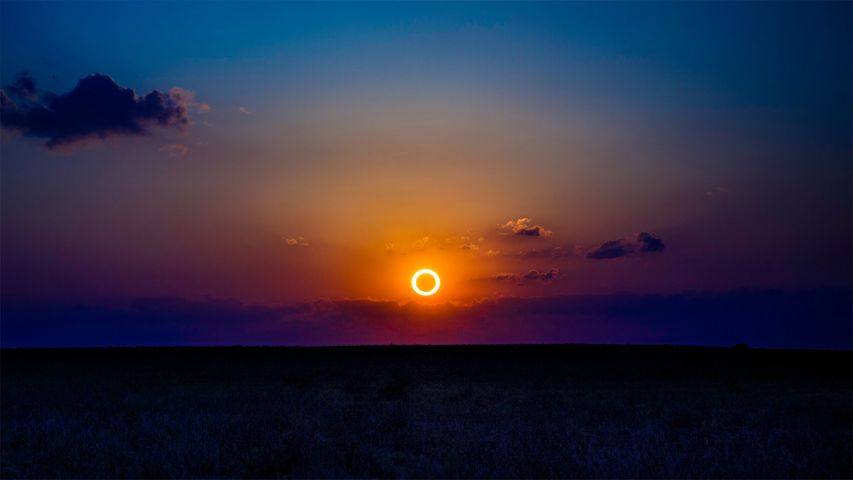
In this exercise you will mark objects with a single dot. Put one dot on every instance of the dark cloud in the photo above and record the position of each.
(611, 249)
(505, 276)
(549, 275)
(649, 242)
(644, 242)
(762, 318)
(532, 275)
(24, 87)
(96, 107)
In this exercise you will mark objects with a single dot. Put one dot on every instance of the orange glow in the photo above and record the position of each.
(428, 272)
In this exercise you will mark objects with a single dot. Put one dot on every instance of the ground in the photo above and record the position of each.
(430, 411)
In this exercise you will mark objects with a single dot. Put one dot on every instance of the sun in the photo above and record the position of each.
(417, 289)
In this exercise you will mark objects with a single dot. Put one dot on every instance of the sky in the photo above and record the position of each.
(312, 156)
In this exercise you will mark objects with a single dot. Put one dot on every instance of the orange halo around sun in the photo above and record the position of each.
(425, 293)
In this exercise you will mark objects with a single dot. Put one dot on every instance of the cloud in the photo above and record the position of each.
(504, 276)
(611, 249)
(524, 227)
(649, 242)
(186, 99)
(762, 318)
(296, 242)
(97, 107)
(420, 244)
(174, 150)
(644, 242)
(532, 275)
(466, 242)
(549, 275)
(244, 110)
(24, 87)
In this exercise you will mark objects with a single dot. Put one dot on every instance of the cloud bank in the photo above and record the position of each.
(764, 318)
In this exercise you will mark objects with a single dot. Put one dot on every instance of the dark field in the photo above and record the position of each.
(461, 411)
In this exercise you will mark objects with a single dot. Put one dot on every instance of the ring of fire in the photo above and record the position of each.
(425, 271)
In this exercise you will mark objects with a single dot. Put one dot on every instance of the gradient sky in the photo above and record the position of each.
(333, 149)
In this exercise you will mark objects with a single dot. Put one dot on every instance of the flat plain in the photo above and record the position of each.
(426, 411)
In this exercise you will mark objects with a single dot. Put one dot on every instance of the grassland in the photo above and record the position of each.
(450, 411)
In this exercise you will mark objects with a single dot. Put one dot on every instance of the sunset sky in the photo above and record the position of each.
(304, 152)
